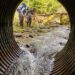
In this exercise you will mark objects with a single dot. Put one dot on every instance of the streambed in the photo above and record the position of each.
(38, 55)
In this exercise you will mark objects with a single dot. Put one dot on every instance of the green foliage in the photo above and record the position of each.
(43, 6)
(64, 20)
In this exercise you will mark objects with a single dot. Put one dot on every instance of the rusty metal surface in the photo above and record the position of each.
(9, 50)
(65, 60)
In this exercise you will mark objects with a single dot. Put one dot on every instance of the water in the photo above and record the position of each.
(40, 60)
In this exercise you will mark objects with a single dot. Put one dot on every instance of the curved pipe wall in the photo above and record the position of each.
(9, 50)
(65, 60)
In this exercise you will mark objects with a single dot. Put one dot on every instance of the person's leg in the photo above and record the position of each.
(27, 23)
(30, 22)
(21, 20)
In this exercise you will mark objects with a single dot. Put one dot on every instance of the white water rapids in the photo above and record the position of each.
(42, 60)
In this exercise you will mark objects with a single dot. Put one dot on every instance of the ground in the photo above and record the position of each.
(39, 50)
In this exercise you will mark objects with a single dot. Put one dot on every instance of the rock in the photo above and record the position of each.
(33, 48)
(26, 37)
(30, 36)
(27, 46)
(18, 34)
(39, 30)
(66, 38)
(61, 43)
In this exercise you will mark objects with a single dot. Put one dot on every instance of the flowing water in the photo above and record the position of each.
(39, 58)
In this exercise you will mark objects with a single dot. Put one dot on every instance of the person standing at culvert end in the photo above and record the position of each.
(29, 17)
(21, 10)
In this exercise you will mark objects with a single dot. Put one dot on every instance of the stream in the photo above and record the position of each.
(38, 58)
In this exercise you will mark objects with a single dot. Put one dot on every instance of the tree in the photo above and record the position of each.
(43, 6)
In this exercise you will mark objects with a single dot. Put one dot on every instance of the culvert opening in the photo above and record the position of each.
(9, 50)
(44, 38)
(44, 19)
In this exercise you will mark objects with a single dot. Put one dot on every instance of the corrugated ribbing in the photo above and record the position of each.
(9, 50)
(65, 60)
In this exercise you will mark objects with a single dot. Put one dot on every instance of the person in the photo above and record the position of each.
(21, 10)
(29, 17)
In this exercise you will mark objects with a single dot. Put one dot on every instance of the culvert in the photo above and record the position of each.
(9, 50)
